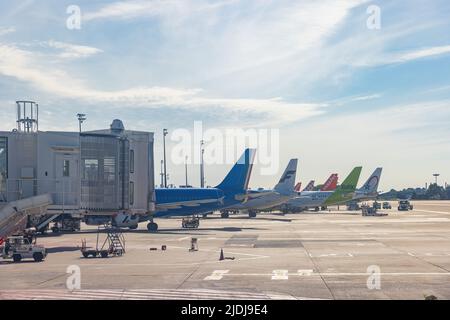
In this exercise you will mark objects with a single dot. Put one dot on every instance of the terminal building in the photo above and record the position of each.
(92, 175)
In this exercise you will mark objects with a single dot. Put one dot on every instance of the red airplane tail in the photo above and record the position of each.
(331, 183)
(297, 187)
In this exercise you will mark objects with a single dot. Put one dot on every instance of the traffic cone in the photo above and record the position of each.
(221, 255)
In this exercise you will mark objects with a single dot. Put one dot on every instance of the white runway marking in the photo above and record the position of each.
(429, 211)
(284, 274)
(280, 275)
(431, 254)
(216, 275)
(331, 255)
(306, 273)
(142, 294)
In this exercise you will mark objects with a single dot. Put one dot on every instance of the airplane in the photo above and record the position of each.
(282, 192)
(329, 185)
(195, 201)
(318, 199)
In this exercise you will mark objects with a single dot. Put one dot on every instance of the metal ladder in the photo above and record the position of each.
(115, 240)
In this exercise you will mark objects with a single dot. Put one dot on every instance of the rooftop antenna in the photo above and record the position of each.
(27, 116)
(81, 118)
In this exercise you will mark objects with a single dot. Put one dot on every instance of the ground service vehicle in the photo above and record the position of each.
(190, 222)
(353, 206)
(404, 205)
(20, 247)
(387, 205)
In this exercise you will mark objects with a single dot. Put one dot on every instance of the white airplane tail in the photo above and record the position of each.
(371, 185)
(286, 184)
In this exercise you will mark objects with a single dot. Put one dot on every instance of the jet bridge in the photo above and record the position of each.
(13, 216)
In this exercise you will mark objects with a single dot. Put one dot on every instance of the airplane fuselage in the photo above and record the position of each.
(191, 201)
(309, 199)
(268, 200)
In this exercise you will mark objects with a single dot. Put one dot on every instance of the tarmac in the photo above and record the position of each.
(325, 255)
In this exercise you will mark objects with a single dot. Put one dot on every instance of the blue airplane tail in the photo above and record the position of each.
(237, 179)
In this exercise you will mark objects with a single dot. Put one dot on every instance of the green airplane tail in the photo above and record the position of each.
(345, 191)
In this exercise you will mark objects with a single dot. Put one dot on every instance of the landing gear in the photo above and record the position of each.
(252, 214)
(224, 214)
(152, 227)
(190, 223)
(133, 227)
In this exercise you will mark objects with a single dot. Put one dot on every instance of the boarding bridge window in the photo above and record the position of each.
(109, 169)
(66, 168)
(3, 167)
(91, 169)
(131, 161)
(131, 192)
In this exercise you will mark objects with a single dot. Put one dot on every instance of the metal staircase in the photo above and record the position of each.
(13, 216)
(115, 241)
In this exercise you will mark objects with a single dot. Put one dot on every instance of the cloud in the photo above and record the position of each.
(25, 66)
(253, 52)
(6, 30)
(131, 9)
(126, 10)
(71, 51)
(404, 57)
(409, 140)
(367, 97)
(422, 53)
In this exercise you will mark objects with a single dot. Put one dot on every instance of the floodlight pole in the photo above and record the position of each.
(81, 118)
(164, 147)
(202, 169)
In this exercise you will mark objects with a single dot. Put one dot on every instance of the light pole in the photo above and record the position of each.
(202, 172)
(164, 146)
(162, 174)
(185, 168)
(81, 118)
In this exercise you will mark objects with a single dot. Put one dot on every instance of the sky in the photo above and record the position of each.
(339, 83)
